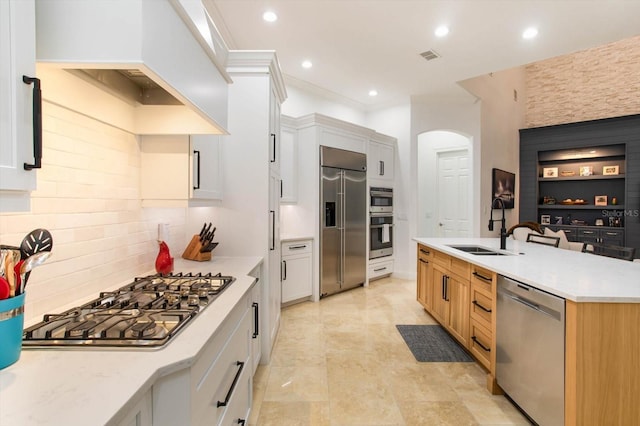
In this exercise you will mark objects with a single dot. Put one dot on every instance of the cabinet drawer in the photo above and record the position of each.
(481, 305)
(441, 259)
(460, 267)
(380, 269)
(480, 344)
(296, 247)
(588, 234)
(424, 253)
(220, 380)
(483, 278)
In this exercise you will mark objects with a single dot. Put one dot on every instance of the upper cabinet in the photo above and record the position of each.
(180, 171)
(19, 99)
(380, 161)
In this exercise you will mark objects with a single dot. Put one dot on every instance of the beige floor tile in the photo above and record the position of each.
(342, 362)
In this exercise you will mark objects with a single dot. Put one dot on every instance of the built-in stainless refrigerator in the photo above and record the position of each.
(343, 223)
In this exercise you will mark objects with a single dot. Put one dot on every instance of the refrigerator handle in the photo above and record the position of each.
(342, 225)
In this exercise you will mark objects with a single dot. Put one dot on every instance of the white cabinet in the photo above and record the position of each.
(379, 268)
(180, 170)
(380, 161)
(256, 336)
(140, 414)
(250, 217)
(17, 59)
(288, 161)
(217, 388)
(297, 270)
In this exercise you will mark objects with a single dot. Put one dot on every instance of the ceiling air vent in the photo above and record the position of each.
(429, 55)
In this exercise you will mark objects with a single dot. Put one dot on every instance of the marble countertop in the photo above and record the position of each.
(94, 386)
(581, 277)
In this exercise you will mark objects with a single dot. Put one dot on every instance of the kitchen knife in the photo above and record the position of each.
(206, 231)
(204, 228)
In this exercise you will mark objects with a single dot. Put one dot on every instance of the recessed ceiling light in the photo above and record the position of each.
(373, 92)
(307, 64)
(530, 33)
(269, 16)
(441, 31)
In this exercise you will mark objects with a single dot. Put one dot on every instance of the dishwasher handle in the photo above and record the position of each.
(553, 314)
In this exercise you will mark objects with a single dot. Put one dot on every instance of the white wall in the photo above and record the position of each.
(303, 102)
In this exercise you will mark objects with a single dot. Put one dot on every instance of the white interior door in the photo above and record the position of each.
(453, 194)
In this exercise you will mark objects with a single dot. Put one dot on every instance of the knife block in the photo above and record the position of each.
(192, 252)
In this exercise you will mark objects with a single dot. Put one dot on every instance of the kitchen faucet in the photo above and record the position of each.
(503, 229)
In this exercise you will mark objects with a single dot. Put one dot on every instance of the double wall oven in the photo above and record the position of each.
(381, 222)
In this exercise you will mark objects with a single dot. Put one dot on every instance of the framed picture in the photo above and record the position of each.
(586, 170)
(503, 187)
(550, 172)
(545, 219)
(601, 200)
(610, 170)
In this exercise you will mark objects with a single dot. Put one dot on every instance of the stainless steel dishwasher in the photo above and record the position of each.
(530, 349)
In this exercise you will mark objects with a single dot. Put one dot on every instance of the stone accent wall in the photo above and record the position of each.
(601, 82)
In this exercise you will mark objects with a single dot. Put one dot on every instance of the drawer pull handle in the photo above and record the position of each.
(612, 233)
(241, 421)
(475, 339)
(423, 251)
(298, 247)
(233, 386)
(424, 261)
(482, 277)
(380, 269)
(256, 320)
(475, 302)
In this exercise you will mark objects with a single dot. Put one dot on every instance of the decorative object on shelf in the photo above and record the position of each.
(601, 200)
(570, 202)
(614, 201)
(567, 173)
(586, 170)
(577, 222)
(610, 170)
(548, 200)
(503, 187)
(558, 220)
(599, 222)
(545, 219)
(550, 172)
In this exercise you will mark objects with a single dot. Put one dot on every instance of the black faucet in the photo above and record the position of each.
(503, 229)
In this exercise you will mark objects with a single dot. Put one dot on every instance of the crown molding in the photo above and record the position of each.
(248, 62)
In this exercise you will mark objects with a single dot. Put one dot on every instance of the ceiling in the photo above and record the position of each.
(359, 45)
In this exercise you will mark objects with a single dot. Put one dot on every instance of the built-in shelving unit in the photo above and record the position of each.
(584, 178)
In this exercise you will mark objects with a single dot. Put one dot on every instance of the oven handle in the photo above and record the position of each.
(380, 226)
(381, 194)
(233, 386)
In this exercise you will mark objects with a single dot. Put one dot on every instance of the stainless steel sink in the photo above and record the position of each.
(477, 250)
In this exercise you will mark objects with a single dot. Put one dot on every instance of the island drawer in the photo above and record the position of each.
(460, 267)
(424, 253)
(481, 305)
(296, 247)
(483, 278)
(441, 258)
(480, 344)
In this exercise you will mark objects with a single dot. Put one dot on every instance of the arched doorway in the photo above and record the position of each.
(445, 182)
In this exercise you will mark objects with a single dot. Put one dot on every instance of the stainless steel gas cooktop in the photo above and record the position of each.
(146, 313)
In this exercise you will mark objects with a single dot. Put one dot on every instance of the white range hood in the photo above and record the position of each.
(151, 49)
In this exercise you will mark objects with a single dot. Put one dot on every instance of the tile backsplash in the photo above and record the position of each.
(88, 196)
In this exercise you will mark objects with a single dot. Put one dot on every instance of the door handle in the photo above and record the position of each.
(381, 168)
(197, 153)
(284, 264)
(256, 319)
(273, 230)
(273, 141)
(37, 123)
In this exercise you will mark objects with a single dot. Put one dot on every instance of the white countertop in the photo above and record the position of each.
(581, 277)
(91, 386)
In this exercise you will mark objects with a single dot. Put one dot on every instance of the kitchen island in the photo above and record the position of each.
(103, 386)
(602, 302)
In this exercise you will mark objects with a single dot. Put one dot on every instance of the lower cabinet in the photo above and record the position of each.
(140, 414)
(217, 388)
(461, 297)
(297, 270)
(379, 268)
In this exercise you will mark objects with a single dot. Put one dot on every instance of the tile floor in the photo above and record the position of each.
(343, 362)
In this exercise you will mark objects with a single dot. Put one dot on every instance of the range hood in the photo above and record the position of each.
(147, 53)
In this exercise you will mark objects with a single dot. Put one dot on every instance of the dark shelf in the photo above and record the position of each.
(579, 207)
(592, 177)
